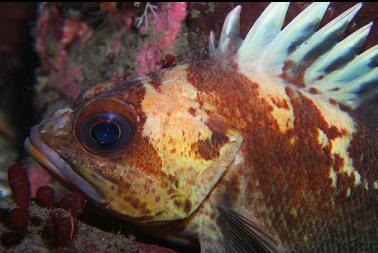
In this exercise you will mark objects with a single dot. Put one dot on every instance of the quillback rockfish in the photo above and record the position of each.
(258, 149)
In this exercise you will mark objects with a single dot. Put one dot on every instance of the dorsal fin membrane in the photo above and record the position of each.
(303, 56)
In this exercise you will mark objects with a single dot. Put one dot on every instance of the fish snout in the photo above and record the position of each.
(58, 125)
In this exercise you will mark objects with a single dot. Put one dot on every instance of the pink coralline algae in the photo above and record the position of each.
(38, 177)
(54, 36)
(167, 22)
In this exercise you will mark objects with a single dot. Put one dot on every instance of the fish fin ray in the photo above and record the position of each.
(318, 62)
(242, 235)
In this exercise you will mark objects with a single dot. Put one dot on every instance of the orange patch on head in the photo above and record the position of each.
(141, 154)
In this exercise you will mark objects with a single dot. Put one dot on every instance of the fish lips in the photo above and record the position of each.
(50, 159)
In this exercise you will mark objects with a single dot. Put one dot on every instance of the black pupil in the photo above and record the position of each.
(105, 133)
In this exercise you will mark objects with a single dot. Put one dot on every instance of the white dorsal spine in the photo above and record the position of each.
(332, 67)
(344, 50)
(353, 70)
(302, 27)
(265, 29)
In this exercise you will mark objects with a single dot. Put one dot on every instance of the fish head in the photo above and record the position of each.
(144, 149)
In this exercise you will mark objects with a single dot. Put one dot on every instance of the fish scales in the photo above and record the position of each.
(248, 151)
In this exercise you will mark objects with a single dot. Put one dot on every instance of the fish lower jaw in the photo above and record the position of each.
(51, 160)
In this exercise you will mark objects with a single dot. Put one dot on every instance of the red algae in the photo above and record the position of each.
(168, 23)
(74, 203)
(46, 196)
(63, 226)
(18, 219)
(19, 184)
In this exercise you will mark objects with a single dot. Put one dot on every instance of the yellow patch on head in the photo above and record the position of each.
(193, 155)
(322, 139)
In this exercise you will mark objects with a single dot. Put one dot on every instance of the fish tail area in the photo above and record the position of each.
(318, 62)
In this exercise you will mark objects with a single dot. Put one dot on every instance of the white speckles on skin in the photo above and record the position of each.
(333, 177)
(340, 147)
(239, 159)
(273, 89)
(357, 178)
(284, 117)
(292, 141)
(293, 212)
(332, 114)
(366, 185)
(341, 120)
(322, 138)
(347, 193)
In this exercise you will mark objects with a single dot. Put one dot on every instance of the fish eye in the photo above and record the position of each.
(105, 133)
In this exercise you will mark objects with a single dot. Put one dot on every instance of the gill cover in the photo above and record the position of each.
(178, 153)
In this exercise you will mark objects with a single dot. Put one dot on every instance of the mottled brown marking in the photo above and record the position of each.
(314, 91)
(364, 152)
(135, 203)
(232, 191)
(298, 78)
(338, 162)
(280, 103)
(216, 124)
(156, 81)
(141, 154)
(333, 101)
(187, 206)
(291, 168)
(210, 148)
(192, 111)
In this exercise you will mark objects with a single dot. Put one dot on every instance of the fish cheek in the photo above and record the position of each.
(151, 192)
(142, 185)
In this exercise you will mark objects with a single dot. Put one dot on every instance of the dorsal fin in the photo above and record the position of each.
(314, 61)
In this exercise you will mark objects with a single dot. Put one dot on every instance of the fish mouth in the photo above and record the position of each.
(50, 159)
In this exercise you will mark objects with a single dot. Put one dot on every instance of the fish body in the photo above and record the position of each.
(258, 149)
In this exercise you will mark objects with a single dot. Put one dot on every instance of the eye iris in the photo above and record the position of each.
(105, 133)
